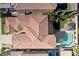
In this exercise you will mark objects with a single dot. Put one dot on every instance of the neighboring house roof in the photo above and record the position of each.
(5, 5)
(34, 33)
(23, 6)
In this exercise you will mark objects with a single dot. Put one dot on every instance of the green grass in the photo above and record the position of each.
(62, 23)
(3, 25)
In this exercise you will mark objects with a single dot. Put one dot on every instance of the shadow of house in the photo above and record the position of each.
(61, 35)
(56, 26)
(53, 27)
(50, 27)
(78, 20)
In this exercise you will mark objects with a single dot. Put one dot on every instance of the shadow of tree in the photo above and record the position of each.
(61, 35)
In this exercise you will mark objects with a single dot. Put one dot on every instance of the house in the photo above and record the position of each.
(30, 32)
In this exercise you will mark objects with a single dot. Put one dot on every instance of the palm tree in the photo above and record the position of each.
(62, 15)
(54, 15)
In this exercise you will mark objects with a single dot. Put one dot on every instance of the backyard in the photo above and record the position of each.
(60, 16)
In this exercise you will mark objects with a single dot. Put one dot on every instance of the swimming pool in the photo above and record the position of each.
(67, 40)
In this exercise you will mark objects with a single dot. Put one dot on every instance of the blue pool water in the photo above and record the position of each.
(67, 40)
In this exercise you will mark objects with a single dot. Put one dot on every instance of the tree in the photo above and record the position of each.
(76, 50)
(62, 15)
(54, 15)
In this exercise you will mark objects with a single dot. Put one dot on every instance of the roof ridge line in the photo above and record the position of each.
(44, 18)
(35, 34)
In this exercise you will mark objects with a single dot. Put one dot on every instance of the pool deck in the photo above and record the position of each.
(65, 53)
(74, 7)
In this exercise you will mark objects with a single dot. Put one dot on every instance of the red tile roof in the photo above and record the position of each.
(35, 44)
(34, 27)
(39, 18)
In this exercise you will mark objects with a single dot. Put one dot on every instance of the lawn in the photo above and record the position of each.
(62, 23)
(3, 25)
